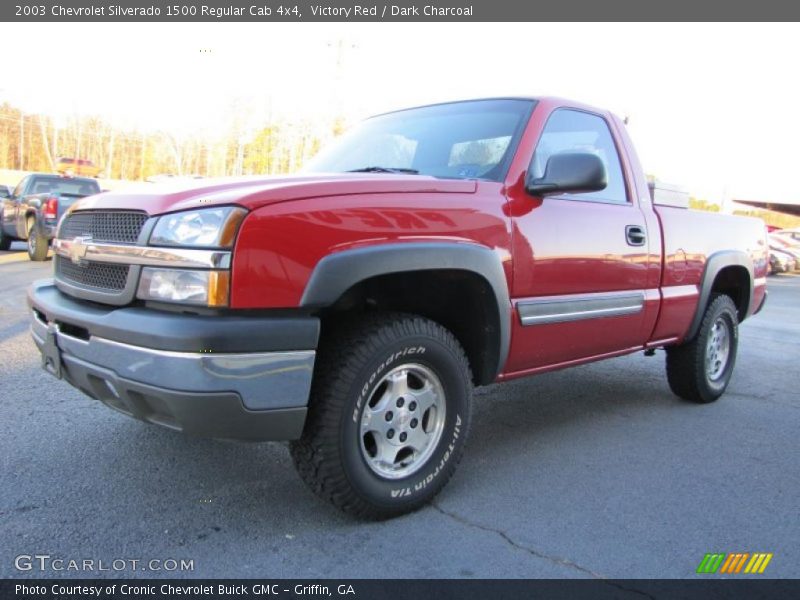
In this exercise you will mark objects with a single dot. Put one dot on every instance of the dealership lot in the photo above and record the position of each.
(598, 471)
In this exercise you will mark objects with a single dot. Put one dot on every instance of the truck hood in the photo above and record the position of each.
(254, 192)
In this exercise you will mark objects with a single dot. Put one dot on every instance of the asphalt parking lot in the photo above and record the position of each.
(598, 471)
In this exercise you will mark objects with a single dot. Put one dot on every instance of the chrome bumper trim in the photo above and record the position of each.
(577, 307)
(263, 380)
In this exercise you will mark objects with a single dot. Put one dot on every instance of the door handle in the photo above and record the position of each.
(635, 235)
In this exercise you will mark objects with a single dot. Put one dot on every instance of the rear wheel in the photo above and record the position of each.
(5, 241)
(37, 243)
(699, 370)
(388, 415)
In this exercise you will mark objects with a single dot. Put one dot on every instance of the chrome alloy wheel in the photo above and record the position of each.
(718, 349)
(402, 421)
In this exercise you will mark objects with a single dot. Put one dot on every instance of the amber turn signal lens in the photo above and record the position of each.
(231, 226)
(219, 284)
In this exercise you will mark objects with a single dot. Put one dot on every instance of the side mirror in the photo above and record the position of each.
(5, 192)
(570, 173)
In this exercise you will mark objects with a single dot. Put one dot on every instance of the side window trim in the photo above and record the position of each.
(615, 144)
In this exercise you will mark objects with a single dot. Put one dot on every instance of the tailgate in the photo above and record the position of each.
(65, 201)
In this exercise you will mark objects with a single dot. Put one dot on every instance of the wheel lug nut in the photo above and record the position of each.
(400, 402)
(403, 437)
(414, 423)
(390, 434)
(389, 416)
(412, 406)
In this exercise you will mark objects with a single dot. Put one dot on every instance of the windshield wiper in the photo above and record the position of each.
(384, 170)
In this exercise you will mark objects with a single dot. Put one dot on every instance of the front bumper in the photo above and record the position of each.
(215, 376)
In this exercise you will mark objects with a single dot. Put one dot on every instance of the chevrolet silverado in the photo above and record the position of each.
(351, 308)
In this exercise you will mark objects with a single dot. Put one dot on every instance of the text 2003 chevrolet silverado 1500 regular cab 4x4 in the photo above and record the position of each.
(351, 308)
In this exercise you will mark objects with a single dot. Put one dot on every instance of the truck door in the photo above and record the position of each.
(580, 260)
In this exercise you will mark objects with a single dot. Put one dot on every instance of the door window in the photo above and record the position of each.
(577, 131)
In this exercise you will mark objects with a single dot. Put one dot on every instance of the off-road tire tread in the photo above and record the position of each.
(342, 351)
(685, 368)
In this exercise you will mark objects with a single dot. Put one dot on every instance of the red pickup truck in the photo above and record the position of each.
(351, 308)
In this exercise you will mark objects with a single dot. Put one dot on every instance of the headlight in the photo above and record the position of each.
(184, 286)
(208, 227)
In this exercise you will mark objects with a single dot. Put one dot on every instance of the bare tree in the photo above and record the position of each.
(256, 141)
(46, 144)
(21, 165)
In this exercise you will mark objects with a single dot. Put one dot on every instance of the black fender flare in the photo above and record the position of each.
(34, 212)
(338, 272)
(715, 263)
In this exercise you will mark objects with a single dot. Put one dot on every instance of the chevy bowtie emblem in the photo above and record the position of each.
(77, 248)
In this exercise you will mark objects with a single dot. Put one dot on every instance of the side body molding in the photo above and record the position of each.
(716, 262)
(337, 273)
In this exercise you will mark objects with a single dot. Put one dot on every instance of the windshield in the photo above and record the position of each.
(462, 140)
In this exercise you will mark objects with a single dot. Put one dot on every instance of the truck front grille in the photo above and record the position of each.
(97, 276)
(120, 226)
(96, 281)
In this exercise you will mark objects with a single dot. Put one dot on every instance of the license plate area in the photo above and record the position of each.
(51, 354)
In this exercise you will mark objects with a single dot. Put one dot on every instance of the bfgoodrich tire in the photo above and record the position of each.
(700, 369)
(388, 416)
(37, 243)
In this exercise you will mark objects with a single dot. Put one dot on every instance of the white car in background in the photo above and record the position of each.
(790, 235)
(781, 244)
(780, 262)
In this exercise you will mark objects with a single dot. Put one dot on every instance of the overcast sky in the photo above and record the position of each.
(713, 107)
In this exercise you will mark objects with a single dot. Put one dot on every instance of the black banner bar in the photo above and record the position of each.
(404, 589)
(288, 11)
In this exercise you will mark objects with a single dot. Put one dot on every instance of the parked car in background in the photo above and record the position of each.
(789, 234)
(784, 245)
(77, 167)
(33, 209)
(781, 262)
(171, 178)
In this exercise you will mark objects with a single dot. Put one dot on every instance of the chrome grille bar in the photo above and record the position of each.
(81, 249)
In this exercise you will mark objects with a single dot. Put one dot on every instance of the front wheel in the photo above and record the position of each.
(388, 415)
(699, 370)
(37, 243)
